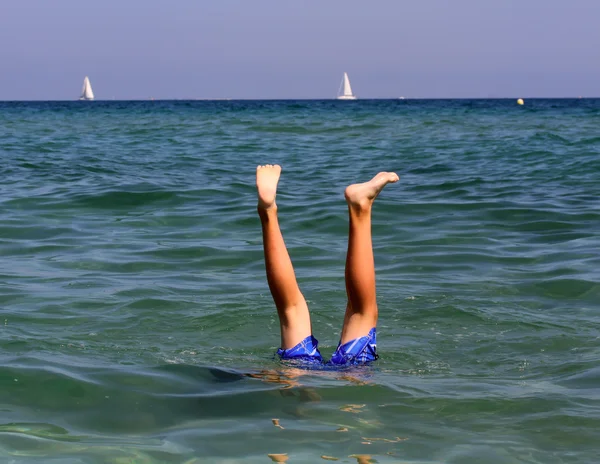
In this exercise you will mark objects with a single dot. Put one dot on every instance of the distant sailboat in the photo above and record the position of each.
(86, 92)
(347, 90)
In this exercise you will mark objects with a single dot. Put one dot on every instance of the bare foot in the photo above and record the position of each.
(267, 177)
(361, 196)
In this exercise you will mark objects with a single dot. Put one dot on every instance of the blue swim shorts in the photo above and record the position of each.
(307, 350)
(359, 351)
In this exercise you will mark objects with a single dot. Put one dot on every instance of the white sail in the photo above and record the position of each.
(347, 90)
(86, 92)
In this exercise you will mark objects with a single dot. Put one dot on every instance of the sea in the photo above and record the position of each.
(136, 321)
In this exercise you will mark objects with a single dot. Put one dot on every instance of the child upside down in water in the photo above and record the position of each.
(358, 343)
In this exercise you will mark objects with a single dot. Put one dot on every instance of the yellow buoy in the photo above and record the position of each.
(520, 101)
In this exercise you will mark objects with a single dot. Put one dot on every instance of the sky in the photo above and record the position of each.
(255, 49)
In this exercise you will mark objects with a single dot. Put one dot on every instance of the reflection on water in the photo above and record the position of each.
(278, 457)
(137, 324)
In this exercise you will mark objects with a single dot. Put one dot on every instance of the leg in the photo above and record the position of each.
(294, 318)
(361, 310)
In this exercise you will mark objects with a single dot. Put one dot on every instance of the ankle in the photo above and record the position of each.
(268, 212)
(360, 208)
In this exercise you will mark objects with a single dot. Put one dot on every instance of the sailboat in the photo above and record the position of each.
(347, 90)
(86, 92)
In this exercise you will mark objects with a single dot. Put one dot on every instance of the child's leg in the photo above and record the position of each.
(361, 310)
(294, 318)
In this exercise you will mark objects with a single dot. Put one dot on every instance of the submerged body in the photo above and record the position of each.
(358, 343)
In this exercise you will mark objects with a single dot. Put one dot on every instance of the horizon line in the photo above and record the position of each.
(303, 99)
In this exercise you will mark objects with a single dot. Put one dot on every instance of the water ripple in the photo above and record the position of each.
(137, 325)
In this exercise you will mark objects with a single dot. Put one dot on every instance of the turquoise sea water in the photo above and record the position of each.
(137, 325)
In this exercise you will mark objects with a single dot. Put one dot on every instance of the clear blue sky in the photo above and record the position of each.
(299, 49)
